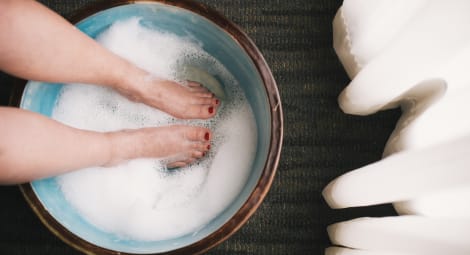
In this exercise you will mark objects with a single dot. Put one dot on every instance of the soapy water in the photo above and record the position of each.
(141, 199)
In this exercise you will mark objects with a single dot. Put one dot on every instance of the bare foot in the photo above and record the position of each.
(177, 145)
(184, 102)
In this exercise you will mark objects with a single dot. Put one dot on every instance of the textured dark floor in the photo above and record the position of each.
(320, 141)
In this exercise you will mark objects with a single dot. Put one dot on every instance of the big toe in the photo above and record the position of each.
(199, 134)
(202, 111)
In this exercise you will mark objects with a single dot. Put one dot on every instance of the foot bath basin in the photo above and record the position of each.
(233, 63)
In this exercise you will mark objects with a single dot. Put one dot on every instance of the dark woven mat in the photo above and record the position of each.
(320, 141)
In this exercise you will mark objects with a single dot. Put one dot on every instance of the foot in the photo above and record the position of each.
(185, 102)
(177, 145)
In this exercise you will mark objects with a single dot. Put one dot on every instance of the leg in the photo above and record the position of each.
(38, 44)
(33, 146)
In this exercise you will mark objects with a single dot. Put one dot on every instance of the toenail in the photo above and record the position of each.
(211, 109)
(206, 136)
(208, 147)
(217, 101)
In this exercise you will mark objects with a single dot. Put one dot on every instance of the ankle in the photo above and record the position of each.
(129, 80)
(121, 146)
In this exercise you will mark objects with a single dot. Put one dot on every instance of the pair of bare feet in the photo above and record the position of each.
(34, 147)
(179, 145)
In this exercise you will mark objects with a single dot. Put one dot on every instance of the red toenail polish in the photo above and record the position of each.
(206, 136)
(217, 101)
(208, 147)
(203, 154)
(211, 109)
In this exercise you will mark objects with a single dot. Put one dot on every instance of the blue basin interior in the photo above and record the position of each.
(41, 97)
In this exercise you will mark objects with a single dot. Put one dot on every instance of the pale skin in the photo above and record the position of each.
(38, 44)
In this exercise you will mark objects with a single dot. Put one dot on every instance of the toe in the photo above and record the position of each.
(202, 111)
(207, 94)
(207, 135)
(210, 110)
(176, 164)
(200, 90)
(197, 154)
(195, 85)
(199, 134)
(201, 146)
(189, 161)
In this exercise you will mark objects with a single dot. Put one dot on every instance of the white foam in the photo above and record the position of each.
(140, 199)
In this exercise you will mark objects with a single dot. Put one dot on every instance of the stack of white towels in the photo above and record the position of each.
(413, 54)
